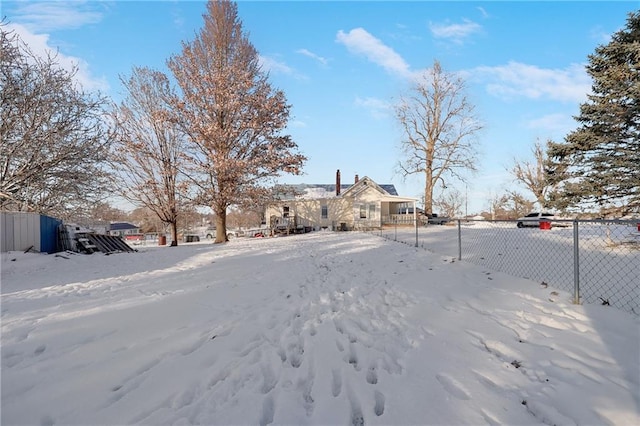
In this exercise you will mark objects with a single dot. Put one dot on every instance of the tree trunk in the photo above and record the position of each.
(221, 226)
(428, 194)
(174, 233)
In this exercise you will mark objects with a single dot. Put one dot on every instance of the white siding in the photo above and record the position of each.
(20, 231)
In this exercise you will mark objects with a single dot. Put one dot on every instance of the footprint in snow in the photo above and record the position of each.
(372, 375)
(353, 357)
(378, 408)
(336, 383)
(268, 410)
(357, 417)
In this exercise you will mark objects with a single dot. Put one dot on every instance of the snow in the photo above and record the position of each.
(609, 255)
(316, 193)
(322, 328)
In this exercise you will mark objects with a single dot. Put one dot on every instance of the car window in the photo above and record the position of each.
(532, 215)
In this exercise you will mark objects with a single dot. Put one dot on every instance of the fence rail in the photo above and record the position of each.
(598, 261)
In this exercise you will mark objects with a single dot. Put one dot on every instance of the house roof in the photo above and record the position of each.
(121, 226)
(321, 190)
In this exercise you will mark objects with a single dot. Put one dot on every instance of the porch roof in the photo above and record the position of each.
(397, 199)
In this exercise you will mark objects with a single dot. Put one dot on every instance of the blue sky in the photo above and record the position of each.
(343, 65)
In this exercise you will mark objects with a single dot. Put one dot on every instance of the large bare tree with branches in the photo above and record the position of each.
(148, 147)
(53, 141)
(438, 123)
(233, 117)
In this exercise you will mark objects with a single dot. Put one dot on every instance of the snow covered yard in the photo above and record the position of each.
(609, 255)
(323, 328)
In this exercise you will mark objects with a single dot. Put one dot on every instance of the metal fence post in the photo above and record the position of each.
(395, 233)
(576, 264)
(459, 241)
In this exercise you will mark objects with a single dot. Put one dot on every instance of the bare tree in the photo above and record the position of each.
(148, 147)
(532, 174)
(105, 213)
(53, 139)
(146, 220)
(245, 218)
(499, 207)
(450, 203)
(232, 115)
(508, 206)
(438, 124)
(520, 205)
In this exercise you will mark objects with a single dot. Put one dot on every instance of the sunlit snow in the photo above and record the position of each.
(322, 329)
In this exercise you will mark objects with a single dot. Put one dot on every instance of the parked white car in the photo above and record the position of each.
(533, 219)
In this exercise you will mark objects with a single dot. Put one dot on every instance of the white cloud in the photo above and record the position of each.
(297, 124)
(517, 80)
(271, 65)
(483, 11)
(39, 44)
(556, 125)
(312, 55)
(359, 41)
(377, 107)
(54, 15)
(274, 66)
(455, 32)
(599, 35)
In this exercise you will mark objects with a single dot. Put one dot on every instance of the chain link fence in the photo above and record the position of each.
(597, 261)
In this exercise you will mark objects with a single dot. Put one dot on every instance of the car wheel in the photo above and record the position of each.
(209, 236)
(520, 225)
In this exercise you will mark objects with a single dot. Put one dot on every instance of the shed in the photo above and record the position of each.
(20, 231)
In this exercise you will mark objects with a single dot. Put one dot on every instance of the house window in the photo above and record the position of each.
(372, 211)
(324, 212)
(285, 211)
(363, 211)
(404, 208)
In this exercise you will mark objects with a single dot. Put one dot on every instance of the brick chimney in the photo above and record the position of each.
(356, 180)
(338, 182)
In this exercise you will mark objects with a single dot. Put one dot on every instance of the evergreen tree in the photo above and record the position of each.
(599, 163)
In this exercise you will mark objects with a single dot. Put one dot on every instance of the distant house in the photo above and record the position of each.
(122, 229)
(363, 204)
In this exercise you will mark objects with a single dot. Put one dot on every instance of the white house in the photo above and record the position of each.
(361, 205)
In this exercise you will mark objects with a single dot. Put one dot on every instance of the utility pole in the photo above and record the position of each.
(466, 201)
